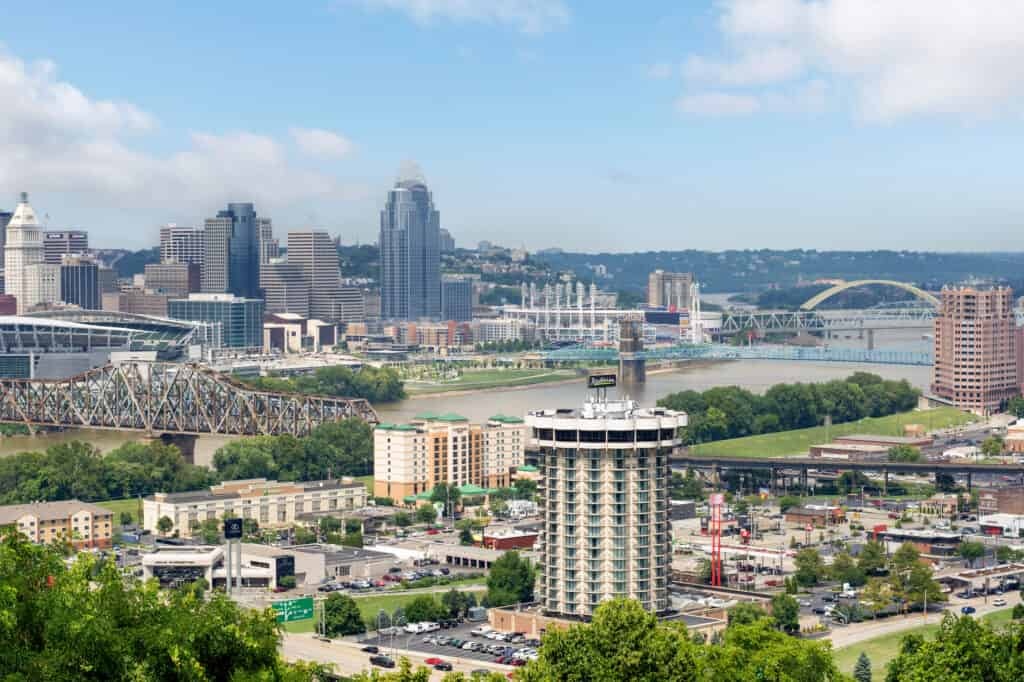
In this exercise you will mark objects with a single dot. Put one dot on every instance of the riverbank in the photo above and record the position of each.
(489, 379)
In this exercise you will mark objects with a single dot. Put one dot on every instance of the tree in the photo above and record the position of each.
(745, 613)
(871, 559)
(164, 524)
(511, 580)
(786, 613)
(458, 602)
(992, 446)
(524, 488)
(905, 453)
(962, 649)
(426, 514)
(971, 550)
(425, 607)
(465, 536)
(788, 502)
(810, 569)
(845, 570)
(862, 671)
(446, 493)
(877, 596)
(330, 524)
(402, 519)
(87, 621)
(125, 518)
(904, 558)
(1018, 611)
(1015, 406)
(341, 616)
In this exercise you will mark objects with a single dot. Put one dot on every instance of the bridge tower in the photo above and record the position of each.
(632, 365)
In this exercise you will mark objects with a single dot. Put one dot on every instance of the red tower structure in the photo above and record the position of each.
(715, 530)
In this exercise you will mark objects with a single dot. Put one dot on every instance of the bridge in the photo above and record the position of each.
(758, 352)
(814, 301)
(778, 465)
(170, 400)
(831, 321)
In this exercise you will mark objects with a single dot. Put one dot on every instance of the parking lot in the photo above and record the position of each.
(462, 632)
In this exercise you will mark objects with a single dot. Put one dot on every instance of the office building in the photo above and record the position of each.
(79, 523)
(181, 244)
(291, 333)
(80, 282)
(457, 300)
(60, 243)
(241, 319)
(272, 504)
(5, 217)
(604, 496)
(316, 255)
(349, 305)
(669, 289)
(231, 252)
(285, 288)
(42, 286)
(270, 248)
(23, 248)
(410, 251)
(410, 459)
(135, 302)
(174, 278)
(447, 241)
(975, 364)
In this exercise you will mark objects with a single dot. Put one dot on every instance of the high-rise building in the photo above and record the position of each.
(669, 289)
(60, 243)
(410, 251)
(173, 278)
(22, 249)
(317, 256)
(975, 363)
(181, 244)
(80, 282)
(5, 217)
(447, 241)
(604, 495)
(410, 459)
(269, 246)
(241, 319)
(231, 252)
(285, 288)
(457, 300)
(43, 286)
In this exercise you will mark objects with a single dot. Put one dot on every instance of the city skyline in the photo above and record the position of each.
(715, 125)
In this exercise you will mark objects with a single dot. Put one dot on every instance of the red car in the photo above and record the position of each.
(434, 660)
(433, 531)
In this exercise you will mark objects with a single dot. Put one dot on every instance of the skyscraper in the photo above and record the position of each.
(5, 217)
(975, 348)
(23, 248)
(181, 244)
(410, 250)
(457, 300)
(669, 289)
(231, 258)
(60, 243)
(316, 255)
(447, 241)
(285, 288)
(80, 282)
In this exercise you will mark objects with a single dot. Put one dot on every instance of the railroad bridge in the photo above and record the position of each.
(176, 402)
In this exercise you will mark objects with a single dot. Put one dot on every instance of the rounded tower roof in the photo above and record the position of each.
(24, 215)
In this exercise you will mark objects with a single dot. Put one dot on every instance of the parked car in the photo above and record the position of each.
(370, 649)
(967, 610)
(999, 602)
(443, 665)
(433, 660)
(383, 661)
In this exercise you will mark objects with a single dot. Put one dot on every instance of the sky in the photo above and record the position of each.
(590, 125)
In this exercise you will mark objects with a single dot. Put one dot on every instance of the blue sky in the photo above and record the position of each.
(587, 125)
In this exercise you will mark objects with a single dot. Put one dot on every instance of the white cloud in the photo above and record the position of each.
(718, 104)
(897, 58)
(321, 143)
(528, 16)
(55, 138)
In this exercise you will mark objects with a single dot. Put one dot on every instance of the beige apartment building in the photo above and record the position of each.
(410, 459)
(80, 523)
(273, 504)
(975, 357)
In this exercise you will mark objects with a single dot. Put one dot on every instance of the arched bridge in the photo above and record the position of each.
(814, 301)
(168, 398)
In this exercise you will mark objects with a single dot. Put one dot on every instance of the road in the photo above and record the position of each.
(858, 632)
(348, 659)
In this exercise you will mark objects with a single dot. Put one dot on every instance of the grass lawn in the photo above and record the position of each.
(799, 441)
(491, 378)
(370, 606)
(130, 505)
(367, 481)
(883, 649)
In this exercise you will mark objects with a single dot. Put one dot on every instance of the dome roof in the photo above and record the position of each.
(24, 215)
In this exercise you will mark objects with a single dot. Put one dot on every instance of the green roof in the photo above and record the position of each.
(425, 416)
(471, 489)
(451, 417)
(529, 468)
(505, 419)
(418, 496)
(396, 427)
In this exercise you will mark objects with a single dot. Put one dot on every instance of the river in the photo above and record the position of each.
(755, 375)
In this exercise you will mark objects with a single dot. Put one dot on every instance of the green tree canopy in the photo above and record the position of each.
(341, 616)
(511, 580)
(862, 670)
(425, 607)
(962, 649)
(745, 613)
(871, 559)
(786, 613)
(810, 569)
(905, 453)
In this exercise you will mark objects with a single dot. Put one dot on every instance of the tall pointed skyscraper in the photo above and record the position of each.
(23, 248)
(410, 250)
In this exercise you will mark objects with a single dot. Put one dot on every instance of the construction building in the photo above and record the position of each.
(975, 348)
(410, 459)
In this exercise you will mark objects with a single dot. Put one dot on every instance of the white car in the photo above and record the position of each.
(999, 602)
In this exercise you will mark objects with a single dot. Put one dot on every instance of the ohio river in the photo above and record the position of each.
(755, 375)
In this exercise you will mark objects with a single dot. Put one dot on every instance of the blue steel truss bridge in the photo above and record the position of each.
(758, 352)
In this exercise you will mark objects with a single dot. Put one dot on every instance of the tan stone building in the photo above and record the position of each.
(410, 459)
(272, 504)
(975, 358)
(80, 523)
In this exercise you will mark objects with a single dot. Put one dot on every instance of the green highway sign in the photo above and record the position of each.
(294, 609)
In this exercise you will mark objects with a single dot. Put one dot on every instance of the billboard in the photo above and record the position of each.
(601, 381)
(293, 609)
